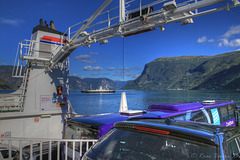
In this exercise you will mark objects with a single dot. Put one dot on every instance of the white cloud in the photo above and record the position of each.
(202, 39)
(235, 43)
(113, 68)
(91, 68)
(13, 22)
(211, 40)
(233, 30)
(85, 59)
(227, 43)
(94, 53)
(126, 69)
(223, 42)
(75, 74)
(229, 38)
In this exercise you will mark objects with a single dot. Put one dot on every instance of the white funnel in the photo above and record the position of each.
(123, 103)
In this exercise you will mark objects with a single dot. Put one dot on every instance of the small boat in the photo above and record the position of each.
(99, 90)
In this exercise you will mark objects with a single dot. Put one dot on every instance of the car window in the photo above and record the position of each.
(198, 116)
(5, 153)
(126, 145)
(224, 114)
(180, 117)
(233, 147)
(231, 111)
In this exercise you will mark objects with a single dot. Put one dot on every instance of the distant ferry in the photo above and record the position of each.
(99, 90)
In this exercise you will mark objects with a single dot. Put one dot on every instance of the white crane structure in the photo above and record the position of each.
(40, 107)
(144, 18)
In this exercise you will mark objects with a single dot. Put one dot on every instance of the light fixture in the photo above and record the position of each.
(84, 34)
(103, 41)
(170, 6)
(187, 21)
(162, 28)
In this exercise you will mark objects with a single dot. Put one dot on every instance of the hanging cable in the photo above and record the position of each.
(123, 71)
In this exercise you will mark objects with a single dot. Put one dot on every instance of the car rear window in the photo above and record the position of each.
(121, 144)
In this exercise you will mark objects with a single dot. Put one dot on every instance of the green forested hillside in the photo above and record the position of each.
(7, 82)
(190, 72)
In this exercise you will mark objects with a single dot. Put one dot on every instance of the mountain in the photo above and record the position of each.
(77, 83)
(121, 84)
(93, 83)
(220, 72)
(7, 82)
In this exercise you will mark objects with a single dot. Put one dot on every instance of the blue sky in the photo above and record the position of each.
(209, 35)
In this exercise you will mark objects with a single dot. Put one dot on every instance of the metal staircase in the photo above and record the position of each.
(21, 69)
(14, 102)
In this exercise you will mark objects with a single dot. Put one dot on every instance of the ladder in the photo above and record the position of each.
(21, 68)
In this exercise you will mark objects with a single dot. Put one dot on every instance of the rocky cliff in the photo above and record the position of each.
(190, 72)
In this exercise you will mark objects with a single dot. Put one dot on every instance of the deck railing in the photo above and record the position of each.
(56, 149)
(9, 103)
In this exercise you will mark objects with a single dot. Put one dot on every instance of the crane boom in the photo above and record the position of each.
(142, 20)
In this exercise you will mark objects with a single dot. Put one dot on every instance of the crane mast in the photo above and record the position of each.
(145, 18)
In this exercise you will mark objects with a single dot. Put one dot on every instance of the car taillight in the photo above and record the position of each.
(152, 130)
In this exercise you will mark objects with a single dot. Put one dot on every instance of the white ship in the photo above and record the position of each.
(99, 90)
(40, 109)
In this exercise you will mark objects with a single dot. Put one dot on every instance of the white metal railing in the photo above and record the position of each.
(109, 17)
(26, 148)
(24, 49)
(9, 103)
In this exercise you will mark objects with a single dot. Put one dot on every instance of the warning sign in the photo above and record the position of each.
(36, 120)
(47, 103)
(46, 100)
(59, 90)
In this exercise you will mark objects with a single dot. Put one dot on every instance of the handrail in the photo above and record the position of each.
(32, 148)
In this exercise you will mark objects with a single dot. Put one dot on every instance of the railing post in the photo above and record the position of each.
(80, 148)
(58, 150)
(196, 10)
(66, 149)
(73, 154)
(69, 32)
(87, 145)
(109, 20)
(140, 7)
(9, 149)
(121, 11)
(40, 150)
(20, 150)
(31, 150)
(50, 150)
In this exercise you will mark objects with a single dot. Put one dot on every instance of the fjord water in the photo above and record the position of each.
(94, 103)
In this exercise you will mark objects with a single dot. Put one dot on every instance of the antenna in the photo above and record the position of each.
(123, 103)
